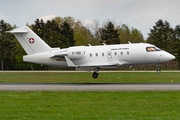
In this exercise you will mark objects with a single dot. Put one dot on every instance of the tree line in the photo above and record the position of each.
(65, 32)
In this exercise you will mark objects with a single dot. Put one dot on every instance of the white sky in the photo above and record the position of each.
(140, 14)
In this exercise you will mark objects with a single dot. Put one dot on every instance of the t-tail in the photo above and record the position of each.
(30, 41)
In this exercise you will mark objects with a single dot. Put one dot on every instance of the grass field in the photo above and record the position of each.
(41, 105)
(90, 105)
(85, 77)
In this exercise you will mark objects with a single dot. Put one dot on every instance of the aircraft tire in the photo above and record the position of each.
(95, 75)
(158, 71)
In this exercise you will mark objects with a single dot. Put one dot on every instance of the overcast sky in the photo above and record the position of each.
(140, 14)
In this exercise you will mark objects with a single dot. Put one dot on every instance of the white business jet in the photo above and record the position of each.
(89, 58)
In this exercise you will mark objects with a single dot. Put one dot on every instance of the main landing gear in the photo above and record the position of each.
(95, 73)
(158, 67)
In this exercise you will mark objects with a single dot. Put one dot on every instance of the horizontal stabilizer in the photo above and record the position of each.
(19, 30)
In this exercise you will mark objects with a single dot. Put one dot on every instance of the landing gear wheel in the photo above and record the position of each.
(95, 75)
(158, 71)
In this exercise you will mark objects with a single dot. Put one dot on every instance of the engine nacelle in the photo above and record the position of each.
(76, 52)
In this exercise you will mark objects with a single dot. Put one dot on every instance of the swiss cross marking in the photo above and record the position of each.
(31, 40)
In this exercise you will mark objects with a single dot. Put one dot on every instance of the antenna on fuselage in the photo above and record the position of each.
(129, 42)
(104, 44)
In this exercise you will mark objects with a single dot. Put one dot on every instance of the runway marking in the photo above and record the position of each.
(89, 87)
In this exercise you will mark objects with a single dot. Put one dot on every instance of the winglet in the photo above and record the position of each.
(69, 62)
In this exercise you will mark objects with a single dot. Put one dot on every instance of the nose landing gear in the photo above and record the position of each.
(158, 67)
(158, 71)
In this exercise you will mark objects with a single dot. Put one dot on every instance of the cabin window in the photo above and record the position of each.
(121, 53)
(127, 52)
(90, 55)
(96, 54)
(115, 53)
(102, 54)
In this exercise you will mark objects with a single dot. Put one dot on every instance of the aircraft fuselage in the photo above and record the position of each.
(102, 56)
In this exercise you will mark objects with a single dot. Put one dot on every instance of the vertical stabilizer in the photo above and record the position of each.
(31, 42)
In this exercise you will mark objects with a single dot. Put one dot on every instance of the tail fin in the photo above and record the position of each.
(31, 42)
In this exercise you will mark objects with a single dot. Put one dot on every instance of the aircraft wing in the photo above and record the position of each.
(93, 65)
(79, 67)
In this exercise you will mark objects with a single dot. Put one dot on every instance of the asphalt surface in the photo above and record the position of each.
(89, 87)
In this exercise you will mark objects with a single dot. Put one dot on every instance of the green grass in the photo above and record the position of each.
(85, 77)
(90, 105)
(149, 105)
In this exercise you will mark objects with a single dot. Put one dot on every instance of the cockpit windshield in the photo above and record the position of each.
(152, 49)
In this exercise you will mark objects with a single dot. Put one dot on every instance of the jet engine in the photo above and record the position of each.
(76, 52)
